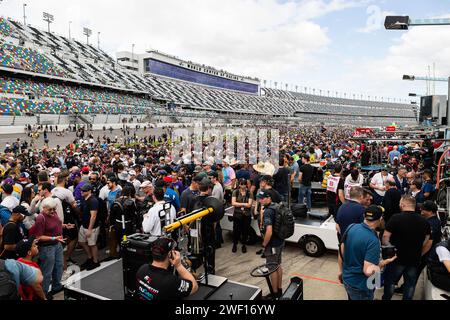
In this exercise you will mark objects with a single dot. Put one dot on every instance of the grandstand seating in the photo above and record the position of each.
(49, 55)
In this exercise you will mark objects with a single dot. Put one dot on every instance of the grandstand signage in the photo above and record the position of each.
(239, 146)
(391, 129)
(362, 131)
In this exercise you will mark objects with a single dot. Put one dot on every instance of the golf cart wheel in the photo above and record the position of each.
(313, 247)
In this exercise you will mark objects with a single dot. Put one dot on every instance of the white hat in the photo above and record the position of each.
(132, 173)
(146, 184)
(265, 168)
(55, 171)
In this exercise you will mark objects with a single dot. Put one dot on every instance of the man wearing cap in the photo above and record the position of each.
(13, 233)
(89, 230)
(25, 181)
(133, 180)
(9, 201)
(378, 183)
(411, 235)
(272, 245)
(155, 282)
(169, 194)
(188, 197)
(84, 180)
(26, 251)
(359, 255)
(152, 220)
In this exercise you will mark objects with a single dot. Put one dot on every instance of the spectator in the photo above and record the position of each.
(48, 230)
(188, 197)
(350, 212)
(25, 201)
(217, 191)
(305, 180)
(44, 192)
(134, 181)
(378, 184)
(428, 187)
(335, 191)
(411, 235)
(439, 265)
(114, 191)
(13, 233)
(359, 255)
(354, 179)
(242, 201)
(152, 221)
(229, 179)
(22, 274)
(281, 180)
(89, 229)
(9, 201)
(272, 245)
(415, 191)
(401, 181)
(391, 200)
(27, 250)
(123, 217)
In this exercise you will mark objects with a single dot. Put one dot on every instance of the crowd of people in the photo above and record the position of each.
(93, 193)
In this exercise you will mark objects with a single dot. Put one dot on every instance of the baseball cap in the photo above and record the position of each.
(24, 176)
(198, 169)
(55, 171)
(22, 210)
(162, 246)
(86, 187)
(374, 213)
(146, 184)
(264, 194)
(168, 179)
(85, 170)
(23, 246)
(430, 206)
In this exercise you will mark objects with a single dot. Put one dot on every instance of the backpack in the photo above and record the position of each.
(8, 288)
(102, 213)
(284, 224)
(5, 215)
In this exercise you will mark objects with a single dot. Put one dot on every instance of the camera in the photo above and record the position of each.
(388, 252)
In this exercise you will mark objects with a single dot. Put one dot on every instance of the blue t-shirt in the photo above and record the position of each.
(172, 197)
(428, 187)
(360, 245)
(21, 273)
(394, 154)
(349, 213)
(269, 220)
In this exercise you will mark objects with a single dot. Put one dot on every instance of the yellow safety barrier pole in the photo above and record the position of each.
(174, 226)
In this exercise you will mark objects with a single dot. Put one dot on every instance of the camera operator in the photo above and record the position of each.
(411, 235)
(156, 282)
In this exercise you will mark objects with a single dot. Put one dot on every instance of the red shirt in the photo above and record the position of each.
(27, 292)
(50, 226)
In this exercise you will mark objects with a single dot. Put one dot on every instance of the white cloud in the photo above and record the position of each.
(262, 38)
(375, 19)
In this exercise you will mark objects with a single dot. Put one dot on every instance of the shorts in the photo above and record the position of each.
(92, 241)
(273, 254)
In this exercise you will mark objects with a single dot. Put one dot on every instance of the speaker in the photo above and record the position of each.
(136, 252)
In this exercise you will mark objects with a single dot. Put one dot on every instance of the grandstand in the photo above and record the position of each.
(49, 75)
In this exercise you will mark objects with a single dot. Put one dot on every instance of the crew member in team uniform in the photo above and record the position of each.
(156, 282)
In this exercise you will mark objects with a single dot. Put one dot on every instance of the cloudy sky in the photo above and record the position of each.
(329, 45)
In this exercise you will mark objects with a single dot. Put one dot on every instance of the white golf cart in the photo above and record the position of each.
(314, 234)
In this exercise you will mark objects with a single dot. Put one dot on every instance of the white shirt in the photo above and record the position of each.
(103, 194)
(152, 223)
(349, 184)
(443, 254)
(318, 153)
(379, 180)
(10, 202)
(63, 194)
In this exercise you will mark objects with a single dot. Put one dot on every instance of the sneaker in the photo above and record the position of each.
(244, 249)
(260, 252)
(67, 274)
(86, 264)
(55, 292)
(399, 290)
(93, 266)
(234, 249)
